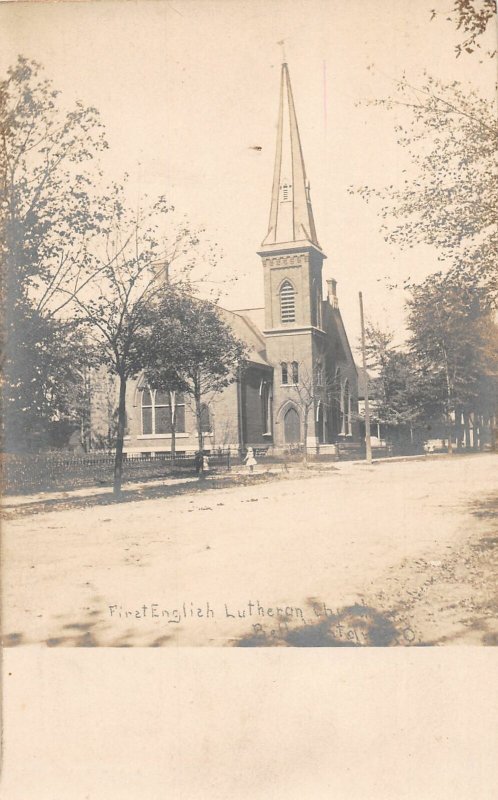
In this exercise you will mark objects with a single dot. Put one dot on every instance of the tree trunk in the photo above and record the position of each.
(118, 460)
(173, 442)
(466, 430)
(200, 437)
(449, 393)
(477, 431)
(448, 433)
(305, 433)
(198, 415)
(172, 406)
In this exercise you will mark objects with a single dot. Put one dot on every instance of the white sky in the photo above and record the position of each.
(187, 87)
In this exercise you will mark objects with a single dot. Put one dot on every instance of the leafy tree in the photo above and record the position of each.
(450, 197)
(46, 191)
(44, 378)
(472, 17)
(453, 340)
(192, 350)
(392, 388)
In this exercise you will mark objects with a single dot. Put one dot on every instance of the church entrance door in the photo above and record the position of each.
(292, 427)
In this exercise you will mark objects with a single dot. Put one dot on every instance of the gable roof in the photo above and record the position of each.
(247, 331)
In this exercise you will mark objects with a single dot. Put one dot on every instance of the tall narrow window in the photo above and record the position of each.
(346, 410)
(205, 419)
(162, 412)
(287, 303)
(146, 411)
(265, 392)
(295, 372)
(285, 372)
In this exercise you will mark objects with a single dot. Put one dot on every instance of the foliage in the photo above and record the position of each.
(454, 343)
(472, 17)
(47, 167)
(392, 387)
(451, 202)
(132, 269)
(191, 349)
(450, 369)
(44, 371)
(47, 214)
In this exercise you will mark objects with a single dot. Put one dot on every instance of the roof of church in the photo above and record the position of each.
(255, 315)
(291, 214)
(245, 329)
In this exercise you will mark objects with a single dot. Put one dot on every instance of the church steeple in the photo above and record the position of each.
(291, 214)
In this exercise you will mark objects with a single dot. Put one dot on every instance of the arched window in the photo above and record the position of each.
(287, 303)
(295, 372)
(285, 372)
(292, 427)
(346, 428)
(205, 419)
(266, 407)
(159, 410)
(335, 400)
(319, 373)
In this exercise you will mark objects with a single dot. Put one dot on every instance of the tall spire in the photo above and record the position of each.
(291, 215)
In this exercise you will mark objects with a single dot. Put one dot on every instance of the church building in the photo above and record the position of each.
(301, 384)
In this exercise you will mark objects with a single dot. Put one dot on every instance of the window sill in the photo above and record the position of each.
(162, 435)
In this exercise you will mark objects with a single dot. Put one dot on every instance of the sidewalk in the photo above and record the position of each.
(15, 501)
(11, 502)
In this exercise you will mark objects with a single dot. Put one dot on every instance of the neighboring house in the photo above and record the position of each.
(297, 341)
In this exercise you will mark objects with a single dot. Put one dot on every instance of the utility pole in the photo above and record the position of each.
(368, 443)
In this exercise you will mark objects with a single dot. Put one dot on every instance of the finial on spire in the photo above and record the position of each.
(282, 45)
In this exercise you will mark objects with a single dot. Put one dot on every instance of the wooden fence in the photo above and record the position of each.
(57, 471)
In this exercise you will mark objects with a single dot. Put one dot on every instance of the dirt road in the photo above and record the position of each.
(392, 554)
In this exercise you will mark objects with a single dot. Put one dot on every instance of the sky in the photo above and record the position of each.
(188, 88)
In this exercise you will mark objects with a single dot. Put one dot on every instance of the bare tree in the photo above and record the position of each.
(126, 278)
(313, 389)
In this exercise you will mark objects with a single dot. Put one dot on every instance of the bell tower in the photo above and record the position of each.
(291, 255)
(292, 265)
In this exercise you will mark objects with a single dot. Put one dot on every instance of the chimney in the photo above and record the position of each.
(332, 292)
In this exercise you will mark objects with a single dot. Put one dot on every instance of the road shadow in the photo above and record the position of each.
(90, 633)
(485, 507)
(352, 626)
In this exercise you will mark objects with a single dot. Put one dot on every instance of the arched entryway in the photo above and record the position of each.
(292, 427)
